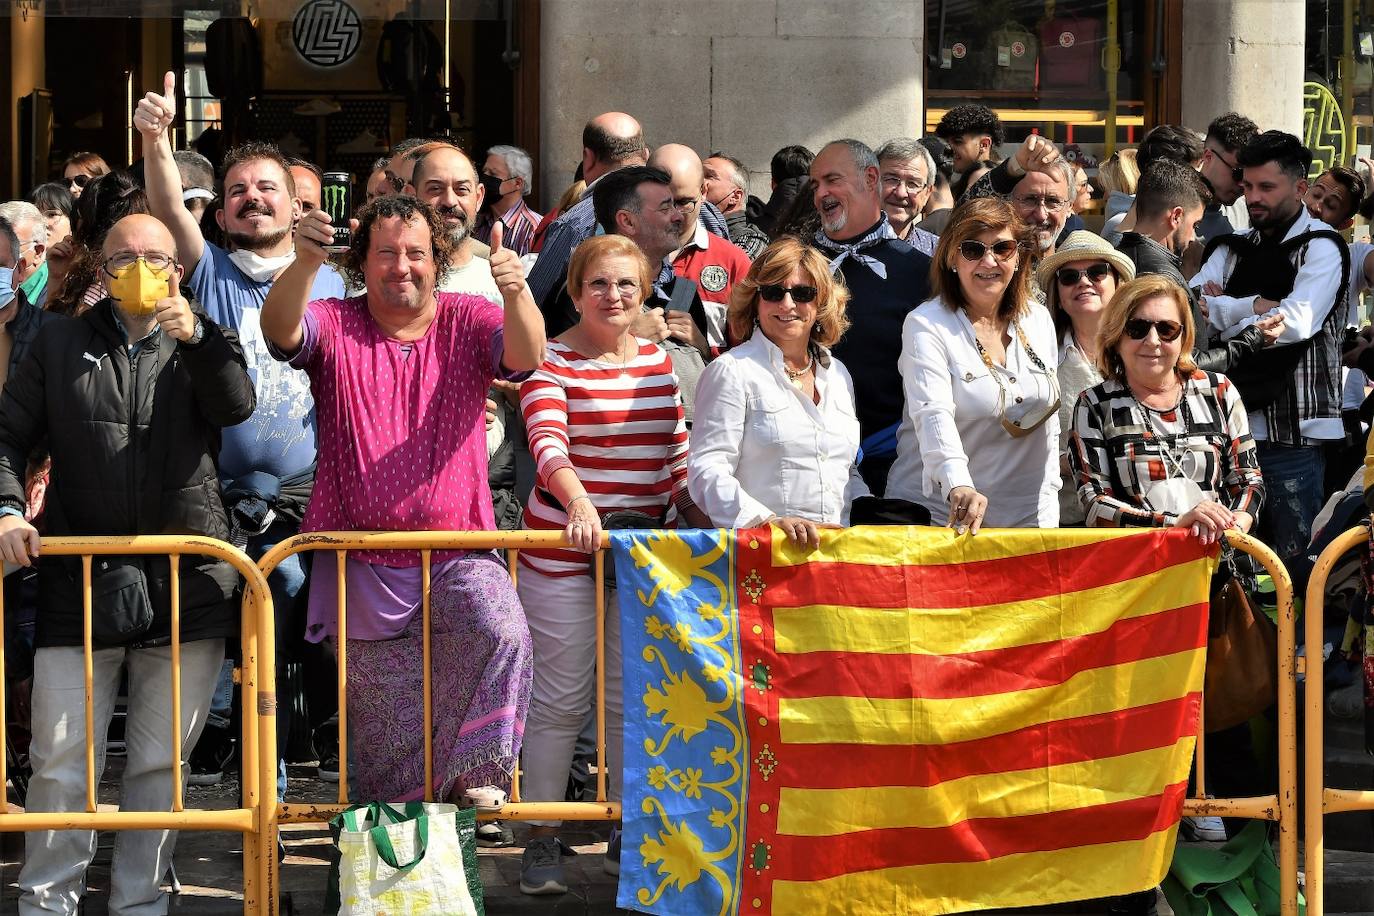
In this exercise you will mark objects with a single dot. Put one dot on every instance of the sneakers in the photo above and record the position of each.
(611, 863)
(494, 834)
(211, 756)
(1203, 829)
(541, 867)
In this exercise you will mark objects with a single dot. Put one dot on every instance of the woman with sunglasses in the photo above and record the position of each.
(1079, 279)
(81, 169)
(776, 433)
(978, 444)
(1160, 443)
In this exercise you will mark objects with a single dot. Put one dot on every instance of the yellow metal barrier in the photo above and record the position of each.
(1318, 798)
(259, 706)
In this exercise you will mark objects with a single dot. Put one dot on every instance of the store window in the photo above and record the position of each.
(1077, 71)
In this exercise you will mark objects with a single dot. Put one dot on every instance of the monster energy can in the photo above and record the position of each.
(336, 199)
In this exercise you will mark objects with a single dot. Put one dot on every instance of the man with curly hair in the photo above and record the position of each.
(973, 134)
(400, 375)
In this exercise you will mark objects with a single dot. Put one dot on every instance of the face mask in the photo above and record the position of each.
(491, 186)
(137, 288)
(6, 286)
(258, 268)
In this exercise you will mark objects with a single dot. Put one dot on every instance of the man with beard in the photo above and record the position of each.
(886, 277)
(1040, 184)
(906, 173)
(266, 465)
(445, 179)
(1291, 264)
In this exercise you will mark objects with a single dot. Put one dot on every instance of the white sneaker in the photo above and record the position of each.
(1207, 829)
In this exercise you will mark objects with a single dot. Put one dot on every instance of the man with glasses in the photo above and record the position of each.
(1218, 167)
(906, 174)
(727, 186)
(130, 398)
(20, 319)
(886, 277)
(711, 261)
(31, 257)
(1290, 264)
(1040, 183)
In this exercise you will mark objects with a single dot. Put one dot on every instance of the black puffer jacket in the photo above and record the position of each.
(133, 445)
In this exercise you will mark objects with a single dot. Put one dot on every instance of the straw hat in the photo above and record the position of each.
(1082, 246)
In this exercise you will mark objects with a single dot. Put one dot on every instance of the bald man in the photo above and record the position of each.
(610, 141)
(130, 398)
(712, 262)
(445, 179)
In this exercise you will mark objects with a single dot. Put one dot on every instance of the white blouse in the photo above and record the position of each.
(951, 433)
(759, 447)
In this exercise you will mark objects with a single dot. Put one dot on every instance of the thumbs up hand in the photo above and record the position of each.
(506, 268)
(156, 111)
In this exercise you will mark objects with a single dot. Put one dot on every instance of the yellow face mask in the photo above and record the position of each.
(137, 288)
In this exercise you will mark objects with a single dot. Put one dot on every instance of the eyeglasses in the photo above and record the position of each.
(1034, 202)
(79, 180)
(1069, 276)
(602, 287)
(1139, 329)
(974, 250)
(1237, 173)
(686, 204)
(891, 182)
(120, 262)
(773, 292)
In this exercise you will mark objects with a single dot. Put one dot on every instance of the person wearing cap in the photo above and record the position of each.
(1078, 280)
(197, 181)
(979, 439)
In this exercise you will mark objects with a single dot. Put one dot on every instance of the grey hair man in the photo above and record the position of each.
(906, 177)
(727, 186)
(507, 175)
(197, 180)
(31, 258)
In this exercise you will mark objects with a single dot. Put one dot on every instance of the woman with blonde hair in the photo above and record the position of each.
(1119, 176)
(775, 436)
(979, 440)
(1159, 442)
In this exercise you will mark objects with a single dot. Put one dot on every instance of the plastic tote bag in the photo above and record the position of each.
(402, 860)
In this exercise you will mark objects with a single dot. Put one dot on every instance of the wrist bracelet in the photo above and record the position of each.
(576, 498)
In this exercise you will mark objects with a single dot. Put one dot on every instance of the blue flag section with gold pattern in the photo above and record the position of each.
(684, 734)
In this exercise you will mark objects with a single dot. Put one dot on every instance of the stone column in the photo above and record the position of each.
(1245, 56)
(741, 76)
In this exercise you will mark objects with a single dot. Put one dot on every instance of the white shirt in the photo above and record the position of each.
(1359, 282)
(759, 447)
(1304, 309)
(474, 278)
(951, 433)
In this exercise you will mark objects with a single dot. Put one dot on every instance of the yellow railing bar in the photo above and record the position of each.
(341, 653)
(88, 667)
(4, 699)
(1319, 799)
(426, 691)
(177, 799)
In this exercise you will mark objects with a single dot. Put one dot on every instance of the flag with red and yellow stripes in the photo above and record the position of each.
(905, 720)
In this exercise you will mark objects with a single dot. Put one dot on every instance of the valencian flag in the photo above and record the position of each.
(905, 720)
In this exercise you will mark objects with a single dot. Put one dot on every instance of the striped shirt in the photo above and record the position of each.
(520, 222)
(1120, 447)
(621, 429)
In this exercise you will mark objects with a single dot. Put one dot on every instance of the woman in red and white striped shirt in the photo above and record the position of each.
(606, 431)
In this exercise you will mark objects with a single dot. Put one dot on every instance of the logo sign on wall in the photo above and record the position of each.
(327, 32)
(1323, 128)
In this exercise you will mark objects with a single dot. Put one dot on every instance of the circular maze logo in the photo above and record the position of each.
(327, 32)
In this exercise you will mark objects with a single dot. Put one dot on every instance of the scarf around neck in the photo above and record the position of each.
(839, 251)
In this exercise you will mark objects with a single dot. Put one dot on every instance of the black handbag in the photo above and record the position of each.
(121, 611)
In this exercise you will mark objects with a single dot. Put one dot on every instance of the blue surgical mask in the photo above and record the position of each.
(6, 286)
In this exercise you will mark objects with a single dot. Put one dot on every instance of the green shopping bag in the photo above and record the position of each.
(361, 818)
(1237, 879)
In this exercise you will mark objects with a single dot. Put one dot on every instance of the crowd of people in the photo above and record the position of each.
(927, 333)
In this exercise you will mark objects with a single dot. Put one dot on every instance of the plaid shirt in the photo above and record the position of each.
(520, 222)
(1117, 451)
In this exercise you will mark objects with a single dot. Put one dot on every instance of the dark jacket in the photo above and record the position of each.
(745, 234)
(1150, 257)
(24, 328)
(779, 203)
(133, 443)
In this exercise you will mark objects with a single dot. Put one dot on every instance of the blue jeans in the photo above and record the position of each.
(1292, 496)
(287, 585)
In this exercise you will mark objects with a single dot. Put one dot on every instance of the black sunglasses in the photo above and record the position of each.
(1139, 329)
(1069, 276)
(973, 250)
(773, 292)
(79, 180)
(1237, 173)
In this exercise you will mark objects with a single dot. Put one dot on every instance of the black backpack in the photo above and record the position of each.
(1267, 271)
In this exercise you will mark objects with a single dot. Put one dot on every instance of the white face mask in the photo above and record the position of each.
(258, 268)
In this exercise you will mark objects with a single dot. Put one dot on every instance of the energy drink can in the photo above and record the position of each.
(336, 199)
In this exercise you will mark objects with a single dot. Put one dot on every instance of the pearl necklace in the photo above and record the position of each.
(795, 376)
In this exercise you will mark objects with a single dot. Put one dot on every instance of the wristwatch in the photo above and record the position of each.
(197, 334)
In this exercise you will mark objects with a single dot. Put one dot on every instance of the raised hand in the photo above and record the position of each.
(156, 111)
(506, 268)
(314, 235)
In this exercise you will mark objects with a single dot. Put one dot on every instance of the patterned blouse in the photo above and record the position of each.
(1120, 446)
